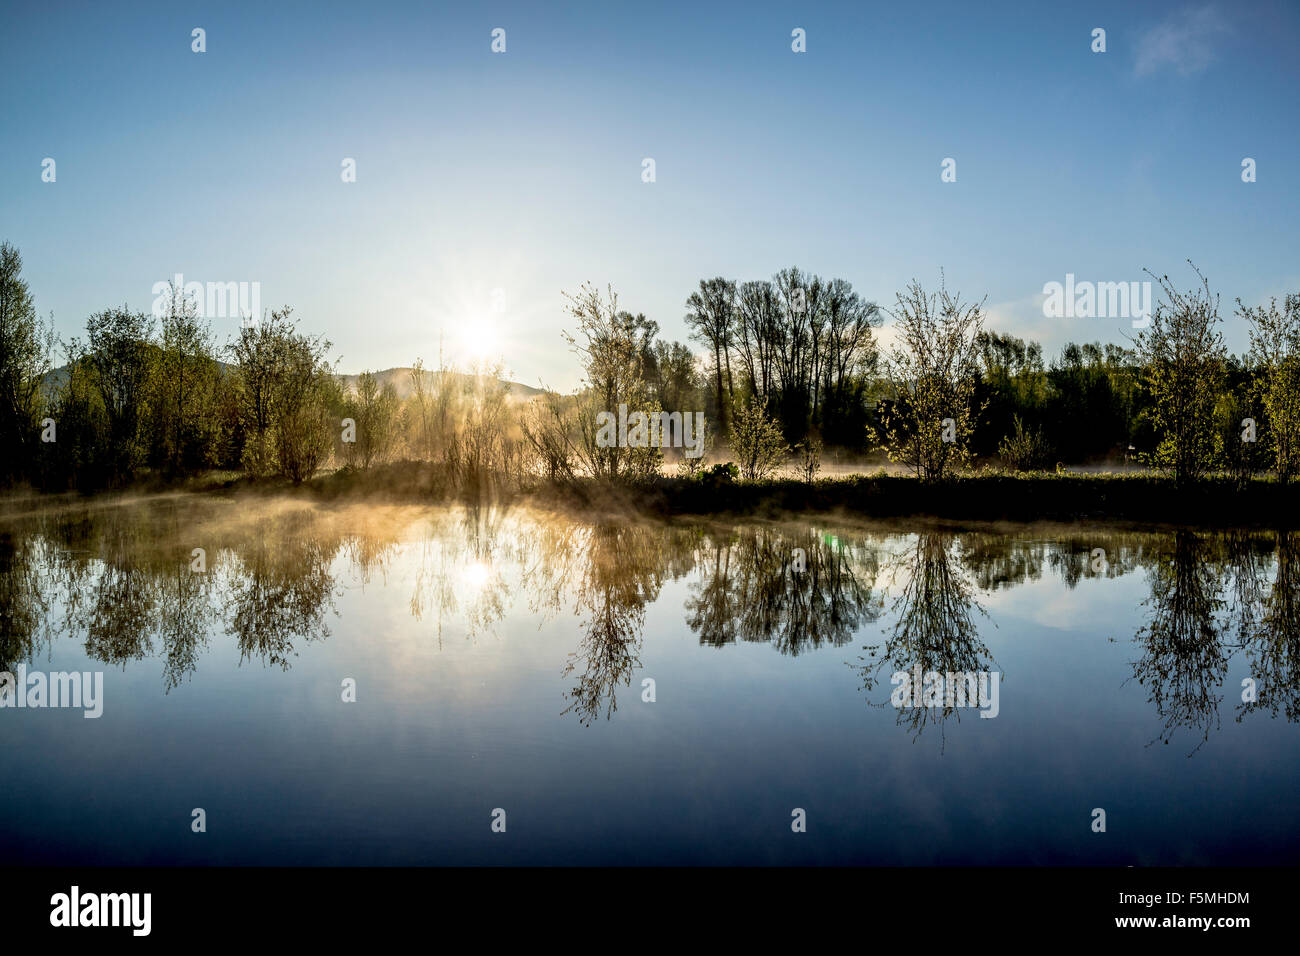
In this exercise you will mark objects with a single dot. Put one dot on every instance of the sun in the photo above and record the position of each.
(478, 339)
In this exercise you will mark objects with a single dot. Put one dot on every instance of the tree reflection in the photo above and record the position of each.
(460, 569)
(281, 588)
(117, 578)
(186, 618)
(797, 588)
(625, 567)
(934, 629)
(1209, 600)
(1184, 659)
(24, 602)
(1273, 648)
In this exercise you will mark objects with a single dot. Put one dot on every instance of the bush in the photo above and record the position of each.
(1024, 450)
(757, 442)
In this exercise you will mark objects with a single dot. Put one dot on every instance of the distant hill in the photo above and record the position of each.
(400, 378)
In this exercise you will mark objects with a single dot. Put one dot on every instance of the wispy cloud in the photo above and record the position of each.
(1186, 42)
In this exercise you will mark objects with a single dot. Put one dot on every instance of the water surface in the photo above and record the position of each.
(500, 660)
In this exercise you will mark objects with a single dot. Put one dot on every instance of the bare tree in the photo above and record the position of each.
(711, 317)
(612, 346)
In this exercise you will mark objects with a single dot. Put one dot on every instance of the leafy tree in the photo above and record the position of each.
(305, 406)
(932, 371)
(375, 411)
(186, 377)
(612, 347)
(289, 398)
(81, 453)
(120, 349)
(757, 442)
(25, 347)
(1183, 358)
(1275, 350)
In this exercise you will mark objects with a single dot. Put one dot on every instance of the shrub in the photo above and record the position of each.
(1024, 450)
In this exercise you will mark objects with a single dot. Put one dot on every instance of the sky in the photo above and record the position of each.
(487, 184)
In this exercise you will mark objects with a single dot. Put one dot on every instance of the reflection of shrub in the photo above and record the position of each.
(1024, 450)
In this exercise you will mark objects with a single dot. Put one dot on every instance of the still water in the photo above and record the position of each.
(633, 692)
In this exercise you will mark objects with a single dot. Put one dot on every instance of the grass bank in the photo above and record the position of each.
(984, 496)
(981, 496)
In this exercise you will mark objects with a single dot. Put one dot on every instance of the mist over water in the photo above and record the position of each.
(500, 659)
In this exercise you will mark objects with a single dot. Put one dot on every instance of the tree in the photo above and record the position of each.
(25, 347)
(612, 346)
(422, 444)
(849, 350)
(759, 324)
(676, 387)
(711, 317)
(288, 396)
(185, 380)
(255, 355)
(757, 442)
(81, 453)
(120, 350)
(1275, 349)
(374, 409)
(932, 371)
(1183, 358)
(306, 393)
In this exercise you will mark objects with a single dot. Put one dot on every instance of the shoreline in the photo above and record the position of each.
(1021, 498)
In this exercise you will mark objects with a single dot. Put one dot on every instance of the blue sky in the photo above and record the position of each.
(521, 171)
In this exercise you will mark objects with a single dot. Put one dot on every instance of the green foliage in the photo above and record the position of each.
(185, 431)
(376, 414)
(120, 350)
(289, 398)
(79, 458)
(613, 347)
(1183, 361)
(25, 348)
(1275, 350)
(757, 442)
(1024, 449)
(932, 371)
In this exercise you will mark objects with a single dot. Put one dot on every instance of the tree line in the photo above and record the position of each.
(785, 366)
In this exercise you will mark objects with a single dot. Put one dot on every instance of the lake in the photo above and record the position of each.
(376, 684)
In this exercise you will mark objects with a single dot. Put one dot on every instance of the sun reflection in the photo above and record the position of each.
(476, 575)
